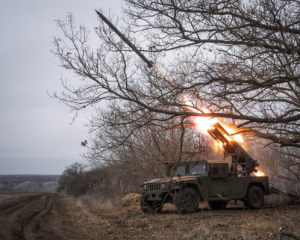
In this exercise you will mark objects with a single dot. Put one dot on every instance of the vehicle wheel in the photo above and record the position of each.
(219, 204)
(187, 201)
(150, 206)
(254, 198)
(245, 203)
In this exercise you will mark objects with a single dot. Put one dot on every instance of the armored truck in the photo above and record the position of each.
(187, 183)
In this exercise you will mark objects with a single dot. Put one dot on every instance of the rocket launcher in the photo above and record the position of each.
(242, 163)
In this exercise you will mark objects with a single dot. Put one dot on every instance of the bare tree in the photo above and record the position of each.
(147, 149)
(253, 71)
(231, 59)
(72, 180)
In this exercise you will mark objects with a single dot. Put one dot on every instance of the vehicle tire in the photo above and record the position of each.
(150, 206)
(245, 203)
(254, 198)
(186, 201)
(219, 204)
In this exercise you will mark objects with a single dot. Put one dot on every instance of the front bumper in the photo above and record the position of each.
(154, 196)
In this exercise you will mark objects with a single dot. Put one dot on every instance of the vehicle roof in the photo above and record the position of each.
(203, 160)
(216, 161)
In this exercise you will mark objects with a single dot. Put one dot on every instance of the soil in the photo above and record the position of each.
(55, 216)
(36, 216)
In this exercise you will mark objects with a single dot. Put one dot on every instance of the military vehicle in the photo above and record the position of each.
(214, 181)
(187, 183)
(217, 182)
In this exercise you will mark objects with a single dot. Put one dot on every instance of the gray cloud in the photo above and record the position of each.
(36, 137)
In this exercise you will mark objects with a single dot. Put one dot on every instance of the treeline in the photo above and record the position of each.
(110, 180)
(129, 168)
(117, 166)
(121, 170)
(29, 183)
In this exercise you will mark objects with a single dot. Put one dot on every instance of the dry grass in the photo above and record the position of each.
(109, 221)
(97, 201)
(131, 199)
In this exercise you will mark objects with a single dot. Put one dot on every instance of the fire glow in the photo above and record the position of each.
(259, 174)
(205, 123)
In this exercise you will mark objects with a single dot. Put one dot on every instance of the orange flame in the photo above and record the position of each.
(218, 144)
(259, 174)
(205, 123)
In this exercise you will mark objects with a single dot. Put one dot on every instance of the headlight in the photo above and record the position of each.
(145, 187)
(163, 186)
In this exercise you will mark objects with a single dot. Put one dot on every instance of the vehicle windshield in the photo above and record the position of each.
(196, 169)
(179, 170)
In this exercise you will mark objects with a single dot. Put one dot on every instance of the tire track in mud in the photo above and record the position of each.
(9, 208)
(23, 219)
(13, 217)
(34, 228)
(42, 216)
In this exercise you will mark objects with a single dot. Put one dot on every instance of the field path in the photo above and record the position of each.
(39, 216)
(57, 216)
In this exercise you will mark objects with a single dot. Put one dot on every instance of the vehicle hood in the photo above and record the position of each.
(168, 179)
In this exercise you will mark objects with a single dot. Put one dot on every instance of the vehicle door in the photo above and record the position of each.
(219, 181)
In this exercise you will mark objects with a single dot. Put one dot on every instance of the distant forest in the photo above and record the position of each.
(28, 183)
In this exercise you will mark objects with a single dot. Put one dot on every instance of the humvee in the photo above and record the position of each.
(187, 183)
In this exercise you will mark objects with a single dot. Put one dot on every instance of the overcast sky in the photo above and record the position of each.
(36, 137)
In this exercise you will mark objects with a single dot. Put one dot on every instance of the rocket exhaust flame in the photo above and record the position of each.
(259, 173)
(205, 123)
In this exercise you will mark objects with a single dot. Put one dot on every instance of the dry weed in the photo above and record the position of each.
(96, 201)
(131, 199)
(105, 220)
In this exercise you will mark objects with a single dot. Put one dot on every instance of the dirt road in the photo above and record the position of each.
(36, 216)
(53, 216)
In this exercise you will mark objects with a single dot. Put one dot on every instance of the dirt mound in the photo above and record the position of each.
(131, 199)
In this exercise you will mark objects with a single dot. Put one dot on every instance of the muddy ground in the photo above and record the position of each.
(54, 216)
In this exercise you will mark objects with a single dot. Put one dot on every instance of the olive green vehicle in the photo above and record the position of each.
(213, 181)
(216, 182)
(187, 183)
